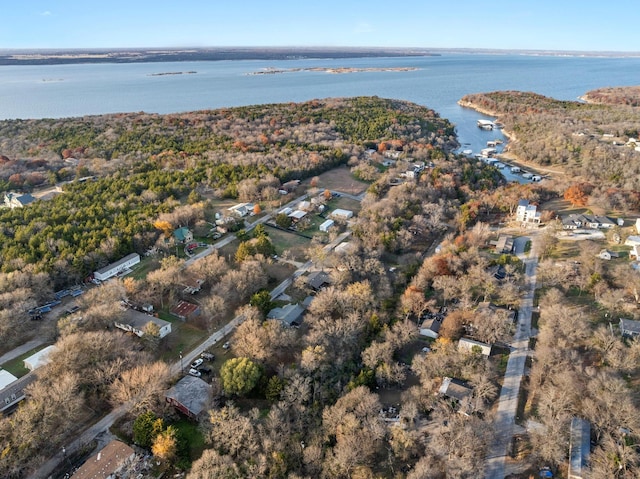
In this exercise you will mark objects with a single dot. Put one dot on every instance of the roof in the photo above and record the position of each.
(106, 462)
(39, 359)
(290, 313)
(139, 320)
(523, 203)
(342, 213)
(344, 248)
(25, 199)
(630, 326)
(6, 378)
(455, 389)
(181, 233)
(318, 279)
(326, 224)
(467, 344)
(504, 244)
(579, 447)
(192, 393)
(184, 309)
(121, 261)
(298, 214)
(14, 392)
(432, 324)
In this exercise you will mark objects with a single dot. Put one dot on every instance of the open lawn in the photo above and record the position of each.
(184, 337)
(345, 204)
(16, 366)
(285, 241)
(340, 179)
(146, 265)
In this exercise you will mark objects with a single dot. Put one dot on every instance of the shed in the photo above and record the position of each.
(579, 448)
(39, 359)
(297, 215)
(285, 211)
(607, 254)
(185, 310)
(326, 225)
(431, 327)
(107, 462)
(470, 346)
(304, 205)
(190, 396)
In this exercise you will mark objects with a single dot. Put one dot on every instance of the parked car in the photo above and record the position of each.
(195, 372)
(197, 363)
(226, 345)
(204, 370)
(207, 355)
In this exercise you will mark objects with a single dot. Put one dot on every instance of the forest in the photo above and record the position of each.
(354, 391)
(588, 140)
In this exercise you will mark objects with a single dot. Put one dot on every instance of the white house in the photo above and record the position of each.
(119, 266)
(527, 213)
(326, 225)
(470, 346)
(304, 205)
(17, 200)
(632, 241)
(341, 214)
(39, 359)
(6, 378)
(136, 322)
(241, 209)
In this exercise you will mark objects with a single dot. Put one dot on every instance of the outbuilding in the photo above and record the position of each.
(326, 225)
(39, 359)
(341, 214)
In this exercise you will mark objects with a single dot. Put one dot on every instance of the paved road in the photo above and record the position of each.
(23, 348)
(504, 421)
(176, 368)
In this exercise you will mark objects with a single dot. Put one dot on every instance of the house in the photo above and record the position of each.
(455, 389)
(340, 214)
(304, 206)
(527, 213)
(107, 463)
(629, 328)
(285, 211)
(289, 186)
(290, 314)
(431, 327)
(185, 310)
(6, 378)
(182, 235)
(121, 266)
(17, 200)
(297, 215)
(13, 393)
(345, 248)
(241, 209)
(318, 280)
(579, 448)
(191, 285)
(607, 255)
(39, 359)
(576, 221)
(191, 396)
(136, 322)
(504, 244)
(326, 225)
(486, 307)
(632, 241)
(471, 346)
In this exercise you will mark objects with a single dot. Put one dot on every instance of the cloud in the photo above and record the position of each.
(363, 27)
(46, 14)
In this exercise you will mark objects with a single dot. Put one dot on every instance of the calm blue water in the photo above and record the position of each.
(74, 90)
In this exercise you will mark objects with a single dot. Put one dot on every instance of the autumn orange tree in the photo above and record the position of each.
(576, 195)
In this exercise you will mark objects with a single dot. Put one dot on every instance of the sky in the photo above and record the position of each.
(583, 25)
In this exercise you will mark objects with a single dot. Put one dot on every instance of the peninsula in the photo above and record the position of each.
(273, 71)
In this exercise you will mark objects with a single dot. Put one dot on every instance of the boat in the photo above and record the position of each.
(487, 152)
(485, 124)
(467, 152)
(527, 176)
(499, 165)
(515, 169)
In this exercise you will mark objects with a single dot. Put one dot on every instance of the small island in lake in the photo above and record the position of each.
(171, 73)
(273, 71)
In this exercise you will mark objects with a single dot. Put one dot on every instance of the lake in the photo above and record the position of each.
(438, 82)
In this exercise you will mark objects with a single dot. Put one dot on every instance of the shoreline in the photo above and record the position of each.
(506, 154)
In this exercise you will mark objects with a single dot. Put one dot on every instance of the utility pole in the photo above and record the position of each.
(181, 367)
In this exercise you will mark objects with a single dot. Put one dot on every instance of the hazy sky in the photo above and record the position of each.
(513, 24)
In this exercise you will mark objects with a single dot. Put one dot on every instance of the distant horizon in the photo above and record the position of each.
(544, 25)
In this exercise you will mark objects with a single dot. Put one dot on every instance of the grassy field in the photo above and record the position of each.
(16, 366)
(183, 337)
(146, 265)
(285, 241)
(340, 179)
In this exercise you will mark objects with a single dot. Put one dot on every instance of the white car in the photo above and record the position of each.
(226, 345)
(195, 372)
(197, 363)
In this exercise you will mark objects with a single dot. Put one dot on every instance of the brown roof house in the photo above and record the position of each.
(191, 396)
(107, 463)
